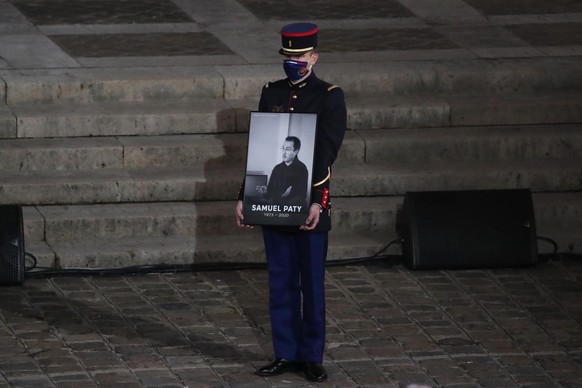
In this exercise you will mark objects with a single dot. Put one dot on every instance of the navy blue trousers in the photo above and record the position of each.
(296, 263)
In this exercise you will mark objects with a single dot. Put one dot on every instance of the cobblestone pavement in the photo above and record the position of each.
(387, 327)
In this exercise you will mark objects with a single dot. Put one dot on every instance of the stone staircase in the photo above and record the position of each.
(118, 167)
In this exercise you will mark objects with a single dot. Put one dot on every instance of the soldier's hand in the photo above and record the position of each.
(313, 218)
(238, 212)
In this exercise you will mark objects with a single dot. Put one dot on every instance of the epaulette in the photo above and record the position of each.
(332, 87)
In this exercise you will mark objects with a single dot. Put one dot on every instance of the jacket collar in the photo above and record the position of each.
(303, 84)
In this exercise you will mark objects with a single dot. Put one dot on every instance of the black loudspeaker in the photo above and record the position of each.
(468, 229)
(11, 245)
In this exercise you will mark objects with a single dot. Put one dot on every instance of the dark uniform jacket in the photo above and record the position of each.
(313, 95)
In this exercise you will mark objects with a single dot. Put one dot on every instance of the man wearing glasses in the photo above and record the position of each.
(288, 182)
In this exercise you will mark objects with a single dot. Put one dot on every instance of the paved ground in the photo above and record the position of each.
(387, 326)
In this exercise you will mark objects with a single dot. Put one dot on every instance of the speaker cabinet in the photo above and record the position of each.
(468, 229)
(11, 245)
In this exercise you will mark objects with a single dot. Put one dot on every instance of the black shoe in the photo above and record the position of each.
(277, 367)
(315, 372)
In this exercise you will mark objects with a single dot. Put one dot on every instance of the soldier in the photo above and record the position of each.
(296, 257)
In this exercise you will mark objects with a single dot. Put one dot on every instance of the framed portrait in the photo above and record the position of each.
(279, 168)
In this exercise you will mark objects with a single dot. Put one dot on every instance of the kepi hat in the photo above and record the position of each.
(298, 38)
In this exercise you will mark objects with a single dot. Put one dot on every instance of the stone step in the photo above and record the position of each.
(397, 178)
(558, 210)
(514, 109)
(457, 110)
(386, 110)
(89, 85)
(464, 143)
(244, 247)
(567, 240)
(424, 144)
(120, 84)
(7, 122)
(166, 219)
(202, 115)
(151, 246)
(120, 185)
(221, 182)
(90, 153)
(241, 249)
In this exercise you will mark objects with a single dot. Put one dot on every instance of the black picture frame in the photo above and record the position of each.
(278, 175)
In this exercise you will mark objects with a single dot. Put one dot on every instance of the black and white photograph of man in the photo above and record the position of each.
(288, 181)
(279, 162)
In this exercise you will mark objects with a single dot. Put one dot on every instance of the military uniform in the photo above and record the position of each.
(296, 337)
(313, 95)
(296, 258)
